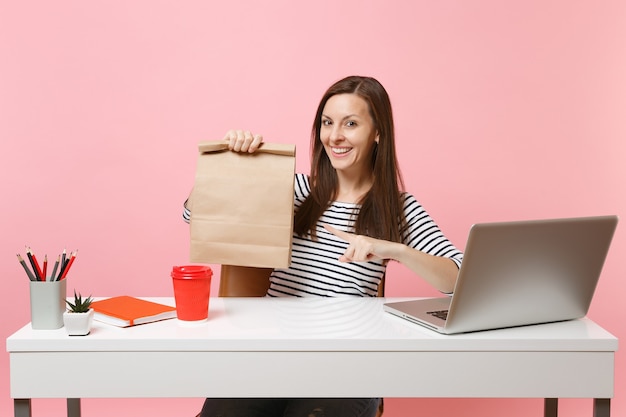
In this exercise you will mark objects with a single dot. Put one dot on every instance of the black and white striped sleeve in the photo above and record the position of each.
(422, 233)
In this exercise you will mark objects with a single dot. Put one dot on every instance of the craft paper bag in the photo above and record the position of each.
(242, 205)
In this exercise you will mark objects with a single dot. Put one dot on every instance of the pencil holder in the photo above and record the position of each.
(47, 304)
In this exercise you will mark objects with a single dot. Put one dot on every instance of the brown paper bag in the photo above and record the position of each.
(242, 205)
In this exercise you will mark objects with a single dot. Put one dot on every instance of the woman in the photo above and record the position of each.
(351, 218)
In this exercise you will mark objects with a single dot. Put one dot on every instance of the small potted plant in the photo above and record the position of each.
(79, 316)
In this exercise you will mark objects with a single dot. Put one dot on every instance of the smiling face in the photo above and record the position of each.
(348, 134)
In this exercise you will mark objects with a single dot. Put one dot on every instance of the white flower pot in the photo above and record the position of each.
(78, 324)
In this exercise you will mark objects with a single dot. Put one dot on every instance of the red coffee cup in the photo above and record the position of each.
(192, 288)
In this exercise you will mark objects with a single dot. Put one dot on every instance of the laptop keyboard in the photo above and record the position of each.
(442, 314)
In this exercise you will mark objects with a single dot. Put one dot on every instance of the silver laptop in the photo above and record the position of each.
(519, 273)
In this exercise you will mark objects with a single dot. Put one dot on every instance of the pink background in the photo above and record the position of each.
(504, 111)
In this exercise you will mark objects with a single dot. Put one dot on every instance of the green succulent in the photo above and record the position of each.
(80, 305)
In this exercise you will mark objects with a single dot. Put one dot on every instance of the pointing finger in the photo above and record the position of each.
(340, 234)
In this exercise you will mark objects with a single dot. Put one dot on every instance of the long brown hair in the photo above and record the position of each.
(381, 214)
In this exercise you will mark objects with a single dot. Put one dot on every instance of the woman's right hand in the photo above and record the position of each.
(243, 141)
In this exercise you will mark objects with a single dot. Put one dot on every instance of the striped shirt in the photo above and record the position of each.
(315, 269)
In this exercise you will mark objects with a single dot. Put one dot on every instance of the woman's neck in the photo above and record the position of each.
(352, 190)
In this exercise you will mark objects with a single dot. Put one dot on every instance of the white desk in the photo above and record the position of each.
(340, 347)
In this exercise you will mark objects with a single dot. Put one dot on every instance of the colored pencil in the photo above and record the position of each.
(69, 264)
(61, 269)
(30, 274)
(62, 260)
(33, 263)
(39, 273)
(44, 272)
(54, 270)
